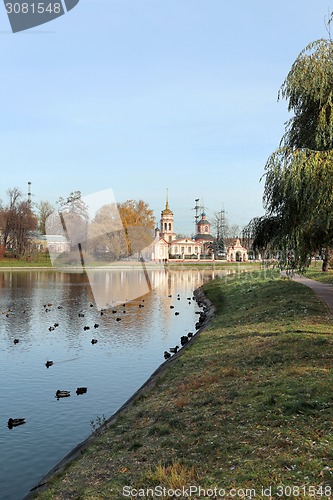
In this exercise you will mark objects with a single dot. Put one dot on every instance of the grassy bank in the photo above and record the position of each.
(314, 272)
(248, 405)
(38, 260)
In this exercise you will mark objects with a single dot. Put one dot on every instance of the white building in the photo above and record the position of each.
(166, 245)
(236, 252)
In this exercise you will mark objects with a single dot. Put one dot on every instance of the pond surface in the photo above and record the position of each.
(130, 346)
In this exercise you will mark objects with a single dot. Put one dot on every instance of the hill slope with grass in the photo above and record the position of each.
(248, 405)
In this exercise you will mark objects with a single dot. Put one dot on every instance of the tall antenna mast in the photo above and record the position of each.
(196, 208)
(29, 193)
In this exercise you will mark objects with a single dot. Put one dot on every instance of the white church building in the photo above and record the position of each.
(166, 246)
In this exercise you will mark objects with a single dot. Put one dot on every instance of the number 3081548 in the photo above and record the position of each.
(33, 8)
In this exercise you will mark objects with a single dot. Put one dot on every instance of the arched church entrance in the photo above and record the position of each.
(239, 257)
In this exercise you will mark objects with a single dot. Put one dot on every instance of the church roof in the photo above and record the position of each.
(236, 245)
(203, 219)
(207, 237)
(167, 210)
(186, 241)
(161, 241)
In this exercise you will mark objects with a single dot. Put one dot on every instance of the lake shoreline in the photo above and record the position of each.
(76, 452)
(56, 316)
(202, 265)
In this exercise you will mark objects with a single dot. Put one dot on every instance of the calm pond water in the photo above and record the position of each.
(126, 353)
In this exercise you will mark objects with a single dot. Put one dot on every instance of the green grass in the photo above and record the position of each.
(314, 272)
(248, 405)
(37, 260)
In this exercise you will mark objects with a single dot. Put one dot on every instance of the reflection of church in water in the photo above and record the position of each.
(166, 245)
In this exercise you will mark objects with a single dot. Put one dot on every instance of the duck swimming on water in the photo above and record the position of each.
(81, 390)
(14, 422)
(184, 340)
(62, 394)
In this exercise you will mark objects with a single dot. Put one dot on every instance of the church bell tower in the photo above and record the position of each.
(167, 222)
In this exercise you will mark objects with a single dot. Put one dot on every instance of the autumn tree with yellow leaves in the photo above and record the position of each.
(121, 230)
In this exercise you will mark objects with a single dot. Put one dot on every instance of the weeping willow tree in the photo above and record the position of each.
(309, 91)
(298, 195)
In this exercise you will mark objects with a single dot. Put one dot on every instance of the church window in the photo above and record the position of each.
(182, 250)
(170, 238)
(169, 226)
(206, 229)
(196, 249)
(165, 226)
(188, 249)
(176, 249)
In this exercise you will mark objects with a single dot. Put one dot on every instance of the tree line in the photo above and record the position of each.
(117, 229)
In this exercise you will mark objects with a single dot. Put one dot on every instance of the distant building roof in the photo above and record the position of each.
(203, 219)
(207, 237)
(183, 240)
(167, 210)
(55, 238)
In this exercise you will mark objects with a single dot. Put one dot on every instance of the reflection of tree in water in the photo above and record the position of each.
(15, 307)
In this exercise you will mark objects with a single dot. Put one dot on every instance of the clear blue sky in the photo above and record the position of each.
(144, 95)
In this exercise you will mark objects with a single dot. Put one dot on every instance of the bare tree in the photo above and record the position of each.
(45, 209)
(234, 231)
(73, 220)
(16, 221)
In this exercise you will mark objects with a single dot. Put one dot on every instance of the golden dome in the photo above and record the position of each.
(167, 210)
